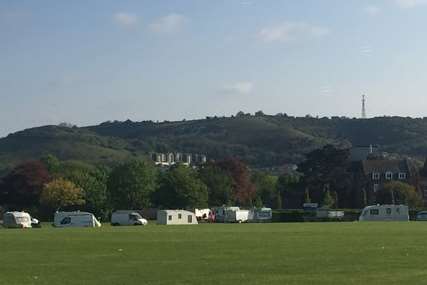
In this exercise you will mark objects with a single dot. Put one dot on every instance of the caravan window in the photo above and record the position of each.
(66, 221)
(374, 212)
(388, 211)
(190, 219)
(179, 216)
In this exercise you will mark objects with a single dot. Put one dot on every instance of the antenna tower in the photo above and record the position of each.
(363, 107)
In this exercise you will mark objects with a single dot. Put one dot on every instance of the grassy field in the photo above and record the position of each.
(309, 253)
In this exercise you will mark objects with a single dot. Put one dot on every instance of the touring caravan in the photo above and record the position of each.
(75, 219)
(127, 218)
(260, 215)
(16, 220)
(236, 215)
(176, 217)
(385, 213)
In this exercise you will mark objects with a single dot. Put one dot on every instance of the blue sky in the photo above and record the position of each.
(86, 62)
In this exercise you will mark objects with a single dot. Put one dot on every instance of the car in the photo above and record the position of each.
(421, 216)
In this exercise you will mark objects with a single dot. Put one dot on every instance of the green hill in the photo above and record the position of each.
(261, 140)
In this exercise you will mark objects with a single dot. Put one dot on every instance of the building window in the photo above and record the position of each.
(376, 187)
(190, 219)
(388, 211)
(179, 216)
(374, 212)
(402, 175)
(375, 176)
(389, 175)
(170, 217)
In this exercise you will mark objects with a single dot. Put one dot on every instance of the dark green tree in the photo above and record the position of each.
(218, 182)
(131, 184)
(266, 187)
(328, 167)
(181, 188)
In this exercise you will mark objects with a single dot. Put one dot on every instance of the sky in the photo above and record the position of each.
(86, 62)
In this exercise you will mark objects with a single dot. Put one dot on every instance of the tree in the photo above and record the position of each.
(181, 188)
(130, 185)
(93, 183)
(307, 196)
(218, 182)
(61, 193)
(22, 186)
(52, 163)
(287, 190)
(329, 166)
(328, 200)
(244, 192)
(397, 192)
(266, 187)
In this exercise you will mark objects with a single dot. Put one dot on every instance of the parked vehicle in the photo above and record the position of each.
(260, 215)
(235, 215)
(218, 214)
(176, 217)
(16, 220)
(127, 218)
(75, 219)
(35, 223)
(202, 214)
(385, 213)
(324, 213)
(421, 216)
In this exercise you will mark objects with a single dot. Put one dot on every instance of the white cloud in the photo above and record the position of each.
(410, 3)
(372, 10)
(291, 31)
(243, 87)
(168, 24)
(125, 19)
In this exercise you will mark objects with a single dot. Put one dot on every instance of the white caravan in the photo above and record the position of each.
(261, 215)
(127, 218)
(176, 217)
(385, 213)
(235, 215)
(75, 219)
(16, 220)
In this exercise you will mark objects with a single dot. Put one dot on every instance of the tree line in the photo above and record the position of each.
(48, 185)
(325, 177)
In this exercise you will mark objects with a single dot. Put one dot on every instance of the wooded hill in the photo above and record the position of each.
(260, 140)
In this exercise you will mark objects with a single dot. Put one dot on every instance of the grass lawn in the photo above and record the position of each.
(306, 253)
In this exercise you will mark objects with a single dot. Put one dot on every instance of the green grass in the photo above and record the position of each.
(309, 253)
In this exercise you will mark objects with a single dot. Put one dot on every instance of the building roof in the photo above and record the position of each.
(385, 165)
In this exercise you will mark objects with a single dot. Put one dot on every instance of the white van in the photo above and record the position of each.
(385, 213)
(16, 220)
(75, 219)
(127, 218)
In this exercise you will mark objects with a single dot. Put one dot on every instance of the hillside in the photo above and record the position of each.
(260, 140)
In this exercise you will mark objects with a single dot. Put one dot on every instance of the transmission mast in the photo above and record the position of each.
(363, 107)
